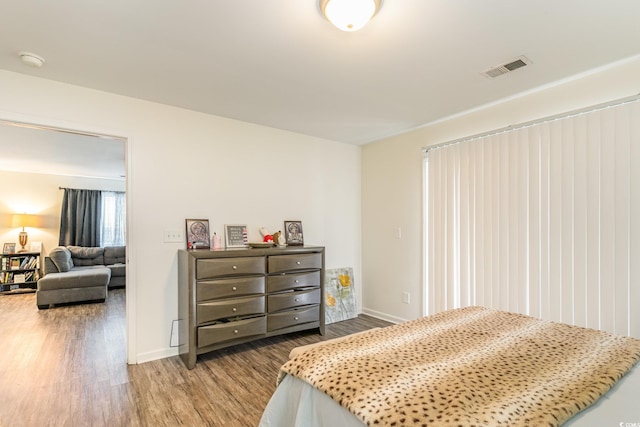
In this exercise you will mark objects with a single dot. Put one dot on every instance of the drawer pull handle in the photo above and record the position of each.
(298, 262)
(234, 309)
(234, 289)
(297, 281)
(235, 331)
(235, 267)
(295, 318)
(297, 300)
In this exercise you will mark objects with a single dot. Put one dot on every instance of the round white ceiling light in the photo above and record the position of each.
(349, 15)
(31, 59)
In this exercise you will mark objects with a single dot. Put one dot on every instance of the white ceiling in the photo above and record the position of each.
(36, 150)
(279, 63)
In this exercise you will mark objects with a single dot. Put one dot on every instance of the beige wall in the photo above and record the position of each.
(40, 194)
(392, 191)
(182, 164)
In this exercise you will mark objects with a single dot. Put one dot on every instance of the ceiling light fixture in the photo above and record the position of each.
(349, 15)
(31, 59)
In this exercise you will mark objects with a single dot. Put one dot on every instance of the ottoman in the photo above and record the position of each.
(85, 284)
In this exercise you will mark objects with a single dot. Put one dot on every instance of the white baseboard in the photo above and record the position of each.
(383, 316)
(157, 354)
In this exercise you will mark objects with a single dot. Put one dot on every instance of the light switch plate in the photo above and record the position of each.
(406, 297)
(173, 235)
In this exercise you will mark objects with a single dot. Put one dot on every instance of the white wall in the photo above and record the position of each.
(40, 194)
(183, 164)
(392, 193)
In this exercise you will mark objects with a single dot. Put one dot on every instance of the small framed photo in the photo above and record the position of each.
(235, 236)
(36, 247)
(293, 233)
(198, 234)
(9, 248)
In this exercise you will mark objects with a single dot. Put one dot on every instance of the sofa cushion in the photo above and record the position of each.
(61, 257)
(82, 255)
(114, 255)
(118, 270)
(76, 278)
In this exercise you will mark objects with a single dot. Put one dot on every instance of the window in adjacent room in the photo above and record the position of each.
(113, 215)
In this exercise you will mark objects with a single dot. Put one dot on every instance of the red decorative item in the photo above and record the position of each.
(268, 238)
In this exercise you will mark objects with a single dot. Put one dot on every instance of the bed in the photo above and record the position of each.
(468, 366)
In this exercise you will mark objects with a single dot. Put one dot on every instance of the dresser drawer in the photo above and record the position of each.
(221, 288)
(213, 310)
(214, 334)
(279, 263)
(207, 268)
(284, 282)
(288, 318)
(293, 299)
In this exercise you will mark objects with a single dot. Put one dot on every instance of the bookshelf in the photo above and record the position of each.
(20, 272)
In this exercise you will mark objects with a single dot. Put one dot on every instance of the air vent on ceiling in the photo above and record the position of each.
(499, 70)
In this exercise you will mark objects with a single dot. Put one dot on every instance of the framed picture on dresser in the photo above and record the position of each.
(235, 236)
(293, 233)
(198, 234)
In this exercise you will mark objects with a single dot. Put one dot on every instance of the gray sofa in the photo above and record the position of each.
(75, 273)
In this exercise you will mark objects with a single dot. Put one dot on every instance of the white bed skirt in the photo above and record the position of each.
(297, 404)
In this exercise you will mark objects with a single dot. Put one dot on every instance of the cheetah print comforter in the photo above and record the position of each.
(472, 367)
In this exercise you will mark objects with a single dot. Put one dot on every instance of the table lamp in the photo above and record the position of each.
(24, 220)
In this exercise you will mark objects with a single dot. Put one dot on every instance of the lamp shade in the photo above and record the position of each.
(349, 15)
(25, 220)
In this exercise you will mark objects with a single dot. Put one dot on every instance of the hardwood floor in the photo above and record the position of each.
(66, 366)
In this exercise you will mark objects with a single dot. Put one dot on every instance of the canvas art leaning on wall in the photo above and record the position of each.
(339, 298)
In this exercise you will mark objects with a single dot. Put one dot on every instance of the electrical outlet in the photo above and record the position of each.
(173, 235)
(406, 297)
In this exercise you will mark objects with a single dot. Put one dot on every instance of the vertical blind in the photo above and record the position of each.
(541, 220)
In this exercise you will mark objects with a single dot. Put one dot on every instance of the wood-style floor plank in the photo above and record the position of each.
(66, 366)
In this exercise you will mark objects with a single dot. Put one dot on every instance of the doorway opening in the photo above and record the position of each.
(61, 156)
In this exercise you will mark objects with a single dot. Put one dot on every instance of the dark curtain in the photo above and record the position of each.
(80, 218)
